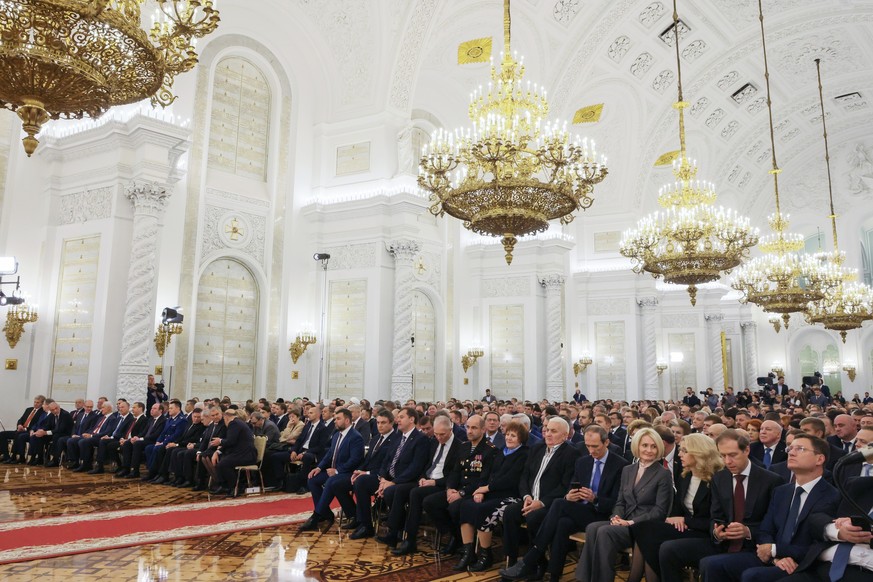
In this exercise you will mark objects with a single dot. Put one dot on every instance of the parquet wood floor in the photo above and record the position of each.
(267, 554)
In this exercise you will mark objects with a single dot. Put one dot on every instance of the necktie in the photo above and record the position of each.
(791, 522)
(130, 429)
(868, 470)
(666, 466)
(595, 479)
(847, 447)
(435, 461)
(118, 428)
(378, 444)
(339, 441)
(841, 560)
(739, 510)
(768, 457)
(396, 456)
(30, 418)
(99, 424)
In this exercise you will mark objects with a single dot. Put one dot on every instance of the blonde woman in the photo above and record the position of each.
(690, 515)
(645, 494)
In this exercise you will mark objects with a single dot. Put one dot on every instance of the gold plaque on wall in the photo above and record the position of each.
(466, 380)
(11, 364)
(295, 375)
(159, 370)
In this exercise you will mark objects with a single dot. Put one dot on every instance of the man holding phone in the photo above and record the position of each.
(592, 495)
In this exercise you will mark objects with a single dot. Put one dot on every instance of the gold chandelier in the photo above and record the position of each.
(513, 171)
(850, 303)
(782, 280)
(690, 242)
(164, 336)
(71, 58)
(16, 317)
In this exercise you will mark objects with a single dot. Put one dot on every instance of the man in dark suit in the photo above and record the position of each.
(489, 398)
(185, 464)
(360, 424)
(164, 458)
(845, 431)
(58, 424)
(741, 494)
(173, 429)
(81, 424)
(107, 449)
(594, 490)
(124, 424)
(690, 398)
(343, 457)
(445, 453)
(403, 464)
(384, 440)
(840, 550)
(27, 422)
(81, 448)
(309, 448)
(546, 477)
(783, 538)
(492, 430)
(816, 427)
(769, 448)
(578, 397)
(132, 449)
(235, 449)
(476, 460)
(781, 387)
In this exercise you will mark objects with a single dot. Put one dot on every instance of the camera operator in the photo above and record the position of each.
(691, 398)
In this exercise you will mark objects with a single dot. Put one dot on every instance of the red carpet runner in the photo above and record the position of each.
(57, 536)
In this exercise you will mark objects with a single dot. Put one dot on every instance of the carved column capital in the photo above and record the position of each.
(749, 325)
(647, 302)
(403, 250)
(713, 318)
(552, 281)
(148, 198)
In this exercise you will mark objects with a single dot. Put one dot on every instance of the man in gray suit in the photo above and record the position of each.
(646, 492)
(263, 426)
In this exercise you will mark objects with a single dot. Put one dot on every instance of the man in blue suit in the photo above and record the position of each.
(784, 537)
(336, 467)
(173, 429)
(103, 426)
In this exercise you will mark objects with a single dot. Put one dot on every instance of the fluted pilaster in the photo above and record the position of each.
(648, 313)
(713, 334)
(554, 286)
(149, 201)
(404, 252)
(750, 351)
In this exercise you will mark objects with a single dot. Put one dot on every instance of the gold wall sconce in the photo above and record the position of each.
(661, 366)
(164, 335)
(775, 321)
(470, 358)
(16, 318)
(582, 364)
(777, 369)
(300, 343)
(850, 371)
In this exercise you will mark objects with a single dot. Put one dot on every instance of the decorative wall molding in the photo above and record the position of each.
(352, 256)
(406, 66)
(218, 219)
(506, 287)
(81, 207)
(612, 306)
(404, 252)
(679, 320)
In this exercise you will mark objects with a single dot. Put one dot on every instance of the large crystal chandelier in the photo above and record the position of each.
(782, 280)
(850, 303)
(71, 58)
(513, 171)
(690, 242)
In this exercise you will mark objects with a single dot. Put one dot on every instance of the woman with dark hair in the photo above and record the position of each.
(689, 517)
(484, 511)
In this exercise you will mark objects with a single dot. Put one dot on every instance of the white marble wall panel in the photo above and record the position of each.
(225, 340)
(424, 349)
(347, 338)
(239, 128)
(75, 317)
(506, 357)
(611, 377)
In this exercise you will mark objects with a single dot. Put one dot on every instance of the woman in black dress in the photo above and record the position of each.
(690, 514)
(484, 511)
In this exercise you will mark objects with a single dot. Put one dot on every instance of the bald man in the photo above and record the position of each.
(769, 448)
(845, 431)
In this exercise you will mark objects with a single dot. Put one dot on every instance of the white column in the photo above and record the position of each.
(648, 312)
(149, 201)
(713, 335)
(750, 351)
(554, 285)
(404, 252)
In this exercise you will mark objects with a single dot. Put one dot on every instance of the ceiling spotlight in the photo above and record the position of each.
(321, 256)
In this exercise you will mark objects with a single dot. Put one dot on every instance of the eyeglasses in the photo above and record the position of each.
(797, 449)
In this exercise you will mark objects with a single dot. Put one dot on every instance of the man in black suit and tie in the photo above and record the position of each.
(592, 495)
(107, 446)
(816, 427)
(769, 448)
(845, 431)
(404, 464)
(690, 399)
(843, 551)
(80, 451)
(546, 477)
(26, 423)
(493, 432)
(344, 456)
(383, 441)
(81, 424)
(784, 538)
(132, 449)
(235, 449)
(445, 453)
(360, 424)
(164, 456)
(741, 494)
(59, 424)
(309, 449)
(186, 463)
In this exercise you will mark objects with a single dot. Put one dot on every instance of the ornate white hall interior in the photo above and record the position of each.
(300, 132)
